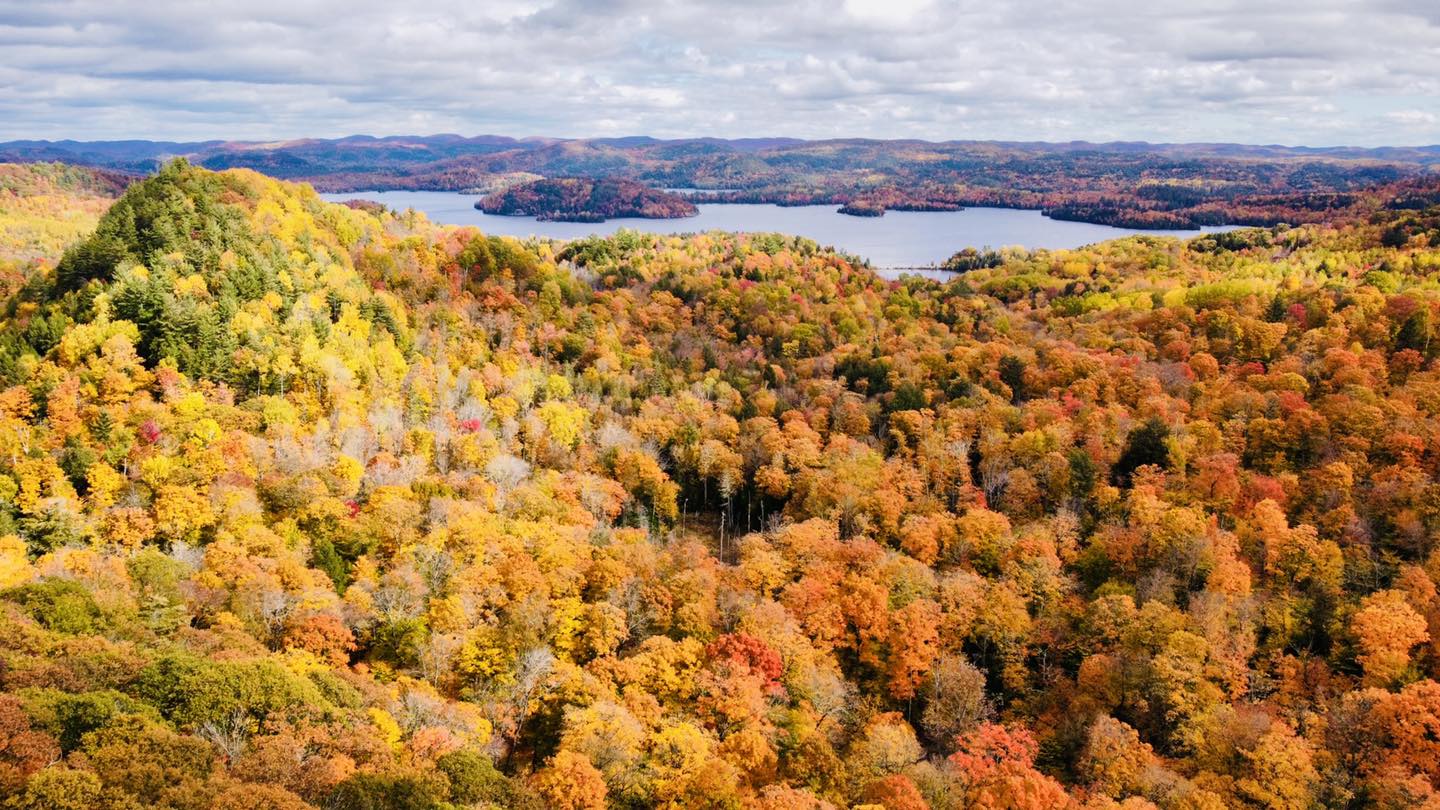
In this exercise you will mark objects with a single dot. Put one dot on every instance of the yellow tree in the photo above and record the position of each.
(570, 782)
(1386, 628)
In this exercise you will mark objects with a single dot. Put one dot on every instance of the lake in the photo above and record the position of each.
(900, 239)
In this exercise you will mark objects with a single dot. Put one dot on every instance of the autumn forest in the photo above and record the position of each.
(306, 505)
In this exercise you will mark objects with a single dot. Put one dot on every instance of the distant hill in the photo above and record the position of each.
(1122, 183)
(319, 156)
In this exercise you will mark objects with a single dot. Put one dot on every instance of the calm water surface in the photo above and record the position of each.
(900, 239)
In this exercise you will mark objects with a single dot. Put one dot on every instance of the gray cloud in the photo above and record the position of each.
(1269, 71)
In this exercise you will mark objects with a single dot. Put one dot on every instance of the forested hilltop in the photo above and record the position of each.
(1132, 185)
(310, 506)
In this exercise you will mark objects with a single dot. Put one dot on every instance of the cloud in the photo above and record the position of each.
(1338, 71)
(1413, 118)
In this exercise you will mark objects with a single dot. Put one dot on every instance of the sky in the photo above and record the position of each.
(1317, 72)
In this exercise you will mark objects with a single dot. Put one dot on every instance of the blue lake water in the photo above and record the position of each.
(908, 239)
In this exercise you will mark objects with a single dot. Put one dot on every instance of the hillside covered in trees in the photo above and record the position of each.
(45, 207)
(1131, 185)
(304, 505)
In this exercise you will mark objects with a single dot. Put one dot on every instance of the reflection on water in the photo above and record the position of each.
(900, 239)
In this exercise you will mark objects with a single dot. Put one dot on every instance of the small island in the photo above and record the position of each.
(582, 199)
(875, 203)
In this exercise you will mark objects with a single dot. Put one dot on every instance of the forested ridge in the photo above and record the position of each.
(304, 505)
(1131, 185)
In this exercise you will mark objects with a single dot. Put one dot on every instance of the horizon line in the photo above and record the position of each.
(783, 138)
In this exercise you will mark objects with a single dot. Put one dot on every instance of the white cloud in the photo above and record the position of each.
(887, 13)
(1413, 118)
(1336, 71)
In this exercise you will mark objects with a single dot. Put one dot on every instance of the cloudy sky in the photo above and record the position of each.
(1318, 72)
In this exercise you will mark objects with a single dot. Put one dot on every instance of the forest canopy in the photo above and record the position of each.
(306, 505)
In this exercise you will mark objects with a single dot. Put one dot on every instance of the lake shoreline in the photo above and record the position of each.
(848, 209)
